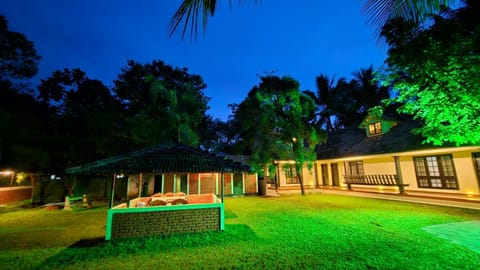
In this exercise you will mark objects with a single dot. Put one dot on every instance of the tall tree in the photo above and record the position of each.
(324, 101)
(275, 123)
(434, 71)
(18, 57)
(23, 122)
(371, 92)
(85, 118)
(163, 104)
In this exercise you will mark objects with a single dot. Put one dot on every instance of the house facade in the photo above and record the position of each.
(193, 183)
(166, 169)
(383, 149)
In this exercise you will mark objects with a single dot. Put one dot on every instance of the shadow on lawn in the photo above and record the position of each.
(99, 249)
(91, 242)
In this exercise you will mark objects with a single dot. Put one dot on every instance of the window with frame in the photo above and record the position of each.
(354, 168)
(291, 174)
(435, 172)
(375, 128)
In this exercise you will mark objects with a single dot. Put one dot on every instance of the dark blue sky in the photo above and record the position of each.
(302, 39)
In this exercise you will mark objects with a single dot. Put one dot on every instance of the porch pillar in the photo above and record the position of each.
(401, 188)
(222, 190)
(112, 191)
(140, 184)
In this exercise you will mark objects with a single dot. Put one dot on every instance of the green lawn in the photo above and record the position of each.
(289, 232)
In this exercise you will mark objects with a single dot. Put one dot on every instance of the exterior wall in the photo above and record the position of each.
(385, 164)
(202, 183)
(309, 176)
(382, 165)
(464, 166)
(193, 183)
(208, 183)
(164, 220)
(250, 183)
(15, 194)
(464, 169)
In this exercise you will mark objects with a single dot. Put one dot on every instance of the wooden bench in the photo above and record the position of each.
(374, 180)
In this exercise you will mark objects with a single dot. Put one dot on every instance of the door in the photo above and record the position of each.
(335, 178)
(237, 184)
(157, 187)
(121, 188)
(324, 168)
(476, 161)
(181, 183)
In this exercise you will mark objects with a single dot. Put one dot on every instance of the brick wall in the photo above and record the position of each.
(140, 223)
(15, 194)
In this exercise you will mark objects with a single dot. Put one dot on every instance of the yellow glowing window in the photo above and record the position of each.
(375, 128)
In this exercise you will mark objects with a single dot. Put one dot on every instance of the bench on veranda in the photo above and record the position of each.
(374, 180)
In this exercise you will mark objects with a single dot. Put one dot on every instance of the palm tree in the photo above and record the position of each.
(324, 101)
(378, 12)
(370, 92)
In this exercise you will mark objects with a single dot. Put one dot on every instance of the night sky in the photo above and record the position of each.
(302, 39)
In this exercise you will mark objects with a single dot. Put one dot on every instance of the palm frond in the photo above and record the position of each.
(190, 12)
(378, 12)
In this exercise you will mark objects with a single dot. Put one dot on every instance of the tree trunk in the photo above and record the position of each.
(302, 188)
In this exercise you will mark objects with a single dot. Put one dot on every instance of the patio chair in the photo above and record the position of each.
(179, 201)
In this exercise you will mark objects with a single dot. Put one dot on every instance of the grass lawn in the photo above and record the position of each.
(289, 232)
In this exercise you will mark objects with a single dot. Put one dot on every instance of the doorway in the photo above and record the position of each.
(157, 187)
(324, 168)
(476, 161)
(237, 184)
(335, 178)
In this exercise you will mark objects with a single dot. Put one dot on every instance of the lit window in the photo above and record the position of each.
(291, 175)
(375, 128)
(354, 168)
(435, 172)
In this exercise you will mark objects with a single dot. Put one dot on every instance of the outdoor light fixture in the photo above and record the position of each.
(6, 172)
(55, 177)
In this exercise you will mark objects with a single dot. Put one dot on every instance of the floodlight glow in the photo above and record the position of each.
(6, 172)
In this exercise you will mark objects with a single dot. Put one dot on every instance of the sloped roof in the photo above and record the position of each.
(163, 159)
(354, 142)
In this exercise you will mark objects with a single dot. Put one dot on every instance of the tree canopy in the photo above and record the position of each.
(163, 104)
(434, 73)
(18, 57)
(275, 122)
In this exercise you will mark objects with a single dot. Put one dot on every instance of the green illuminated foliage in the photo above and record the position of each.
(435, 74)
(275, 123)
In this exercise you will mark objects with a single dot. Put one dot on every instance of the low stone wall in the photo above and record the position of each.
(164, 220)
(15, 194)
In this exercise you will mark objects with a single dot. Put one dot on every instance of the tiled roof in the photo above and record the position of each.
(163, 159)
(354, 142)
